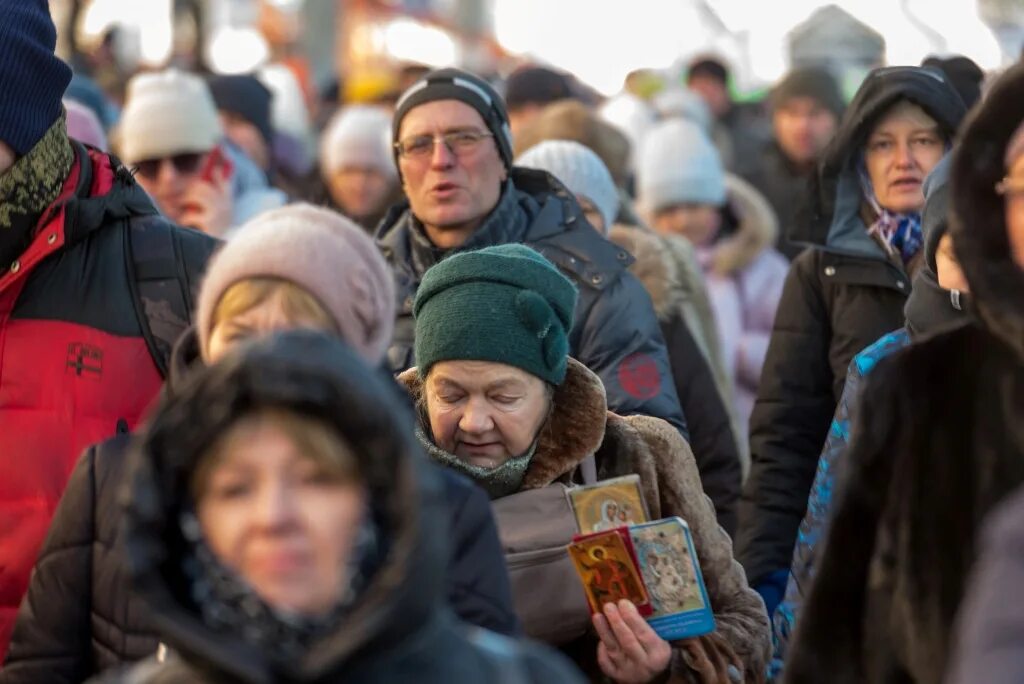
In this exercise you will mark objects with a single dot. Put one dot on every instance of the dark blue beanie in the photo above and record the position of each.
(32, 77)
(245, 96)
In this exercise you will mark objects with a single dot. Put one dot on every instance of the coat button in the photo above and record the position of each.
(51, 238)
(622, 256)
(900, 284)
(597, 279)
(572, 260)
(830, 270)
(15, 267)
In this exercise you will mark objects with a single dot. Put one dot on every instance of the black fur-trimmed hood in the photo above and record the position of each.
(977, 216)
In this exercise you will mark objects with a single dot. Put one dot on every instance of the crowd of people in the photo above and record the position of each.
(279, 407)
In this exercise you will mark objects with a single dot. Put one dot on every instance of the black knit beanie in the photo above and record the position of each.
(246, 97)
(814, 83)
(455, 84)
(32, 77)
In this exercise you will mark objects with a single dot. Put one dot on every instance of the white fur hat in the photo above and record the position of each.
(167, 113)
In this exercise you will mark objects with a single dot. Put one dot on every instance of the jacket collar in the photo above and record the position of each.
(574, 430)
(977, 219)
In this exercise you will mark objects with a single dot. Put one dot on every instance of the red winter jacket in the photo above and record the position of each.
(74, 366)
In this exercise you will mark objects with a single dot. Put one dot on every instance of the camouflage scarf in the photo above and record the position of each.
(30, 186)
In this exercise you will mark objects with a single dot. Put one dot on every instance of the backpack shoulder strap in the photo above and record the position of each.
(159, 284)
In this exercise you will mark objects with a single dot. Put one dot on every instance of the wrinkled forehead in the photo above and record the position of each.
(479, 375)
(440, 116)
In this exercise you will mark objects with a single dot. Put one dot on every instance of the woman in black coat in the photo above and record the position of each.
(282, 525)
(843, 293)
(939, 442)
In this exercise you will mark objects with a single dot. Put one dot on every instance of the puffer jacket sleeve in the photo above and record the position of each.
(51, 639)
(739, 612)
(787, 430)
(479, 589)
(621, 341)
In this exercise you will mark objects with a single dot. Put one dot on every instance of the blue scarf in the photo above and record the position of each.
(899, 233)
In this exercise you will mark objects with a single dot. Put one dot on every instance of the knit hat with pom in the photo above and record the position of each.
(506, 304)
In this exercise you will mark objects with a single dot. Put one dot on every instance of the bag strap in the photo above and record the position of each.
(158, 285)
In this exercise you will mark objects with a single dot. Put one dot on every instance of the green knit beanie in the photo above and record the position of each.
(506, 304)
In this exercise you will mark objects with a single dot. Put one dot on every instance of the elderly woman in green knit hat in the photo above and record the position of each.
(501, 401)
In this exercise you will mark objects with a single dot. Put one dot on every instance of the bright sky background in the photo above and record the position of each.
(603, 40)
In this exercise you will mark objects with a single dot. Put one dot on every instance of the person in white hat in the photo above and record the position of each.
(169, 130)
(357, 164)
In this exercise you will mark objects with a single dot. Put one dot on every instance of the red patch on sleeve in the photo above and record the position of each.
(639, 376)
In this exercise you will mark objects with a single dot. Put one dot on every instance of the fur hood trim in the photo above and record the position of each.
(574, 430)
(757, 231)
(654, 267)
(977, 216)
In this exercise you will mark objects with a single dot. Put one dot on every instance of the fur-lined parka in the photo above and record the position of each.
(580, 425)
(669, 272)
(939, 442)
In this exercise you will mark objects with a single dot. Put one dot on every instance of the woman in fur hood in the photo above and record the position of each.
(501, 401)
(939, 441)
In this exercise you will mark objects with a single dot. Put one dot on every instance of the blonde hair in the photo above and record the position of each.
(313, 438)
(296, 302)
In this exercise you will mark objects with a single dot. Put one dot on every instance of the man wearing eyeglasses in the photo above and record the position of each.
(80, 357)
(453, 149)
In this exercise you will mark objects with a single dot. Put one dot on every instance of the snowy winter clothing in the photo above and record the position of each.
(580, 169)
(397, 628)
(322, 252)
(938, 423)
(579, 425)
(615, 330)
(838, 298)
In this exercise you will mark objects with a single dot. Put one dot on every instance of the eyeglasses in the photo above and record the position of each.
(184, 164)
(457, 142)
(1010, 187)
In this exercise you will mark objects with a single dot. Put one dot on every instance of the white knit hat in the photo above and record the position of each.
(678, 164)
(683, 103)
(359, 135)
(580, 170)
(166, 113)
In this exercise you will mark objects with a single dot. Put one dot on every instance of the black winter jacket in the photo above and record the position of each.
(785, 187)
(841, 295)
(615, 333)
(398, 628)
(99, 623)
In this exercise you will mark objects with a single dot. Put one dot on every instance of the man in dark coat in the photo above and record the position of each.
(839, 297)
(806, 107)
(454, 154)
(939, 443)
(79, 358)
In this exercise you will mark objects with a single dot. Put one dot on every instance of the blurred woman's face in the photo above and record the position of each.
(264, 318)
(699, 223)
(360, 192)
(483, 412)
(282, 521)
(901, 151)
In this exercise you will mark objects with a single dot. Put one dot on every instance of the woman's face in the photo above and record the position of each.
(699, 223)
(901, 151)
(947, 268)
(485, 413)
(267, 317)
(279, 519)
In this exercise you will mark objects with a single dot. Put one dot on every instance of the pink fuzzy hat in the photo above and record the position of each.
(324, 253)
(84, 126)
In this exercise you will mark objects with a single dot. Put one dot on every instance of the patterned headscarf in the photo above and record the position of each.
(899, 233)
